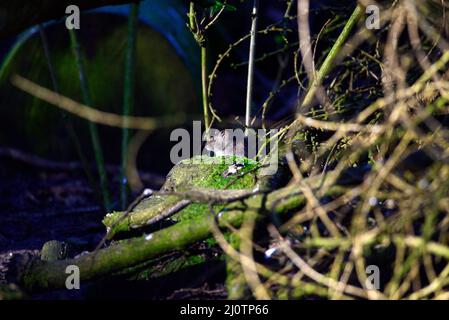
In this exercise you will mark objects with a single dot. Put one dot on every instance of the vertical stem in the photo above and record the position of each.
(204, 86)
(128, 103)
(328, 63)
(47, 53)
(192, 17)
(235, 278)
(199, 37)
(67, 121)
(92, 126)
(252, 51)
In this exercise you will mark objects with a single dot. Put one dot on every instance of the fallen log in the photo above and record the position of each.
(204, 186)
(41, 275)
(46, 275)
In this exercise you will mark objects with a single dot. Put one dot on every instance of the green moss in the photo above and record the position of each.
(207, 172)
(158, 271)
(192, 260)
(235, 278)
(156, 268)
(160, 267)
(211, 242)
(200, 172)
(192, 212)
(54, 250)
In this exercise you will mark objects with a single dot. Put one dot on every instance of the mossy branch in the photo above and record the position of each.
(45, 275)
